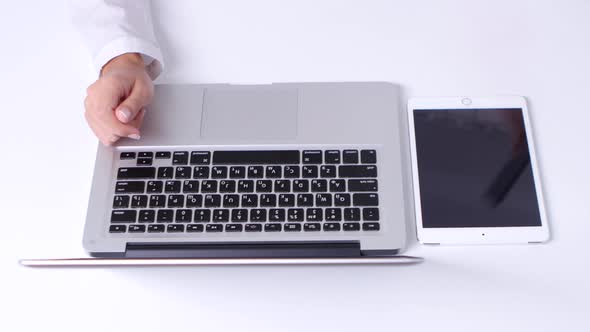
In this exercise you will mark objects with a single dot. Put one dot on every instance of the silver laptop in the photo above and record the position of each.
(280, 170)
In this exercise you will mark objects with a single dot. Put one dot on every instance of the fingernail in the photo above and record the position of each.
(134, 136)
(125, 114)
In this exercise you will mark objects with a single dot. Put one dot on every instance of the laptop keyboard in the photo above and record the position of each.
(246, 191)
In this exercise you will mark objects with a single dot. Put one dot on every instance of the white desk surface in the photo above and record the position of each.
(539, 49)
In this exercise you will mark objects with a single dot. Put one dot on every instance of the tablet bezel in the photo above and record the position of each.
(477, 235)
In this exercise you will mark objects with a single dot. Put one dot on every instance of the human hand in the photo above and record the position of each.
(115, 102)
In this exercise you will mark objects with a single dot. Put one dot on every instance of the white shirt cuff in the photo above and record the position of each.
(152, 56)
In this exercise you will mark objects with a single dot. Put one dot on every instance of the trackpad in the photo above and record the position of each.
(250, 113)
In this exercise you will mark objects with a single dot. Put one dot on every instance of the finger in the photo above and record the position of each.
(103, 136)
(140, 96)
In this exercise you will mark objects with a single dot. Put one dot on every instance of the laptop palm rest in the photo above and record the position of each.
(245, 113)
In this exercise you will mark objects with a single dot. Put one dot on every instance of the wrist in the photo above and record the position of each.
(127, 60)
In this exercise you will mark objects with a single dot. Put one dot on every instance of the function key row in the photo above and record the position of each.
(214, 228)
(256, 157)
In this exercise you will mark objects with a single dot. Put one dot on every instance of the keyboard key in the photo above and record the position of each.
(286, 200)
(221, 215)
(268, 200)
(276, 215)
(165, 215)
(342, 200)
(239, 215)
(175, 201)
(323, 200)
(349, 171)
(144, 161)
(193, 201)
(312, 227)
(184, 215)
(337, 185)
(121, 201)
(350, 156)
(310, 171)
(233, 228)
(219, 172)
(304, 200)
(123, 216)
(201, 172)
(190, 186)
(138, 201)
(319, 186)
(147, 216)
(351, 226)
(331, 227)
(253, 227)
(237, 172)
(255, 172)
(365, 199)
(332, 156)
(292, 227)
(315, 214)
(263, 186)
(245, 186)
(183, 172)
(165, 172)
(129, 187)
(136, 228)
(370, 226)
(163, 155)
(267, 157)
(212, 201)
(295, 214)
(180, 158)
(249, 200)
(231, 201)
(333, 214)
(209, 186)
(145, 154)
(371, 214)
(194, 228)
(352, 214)
(127, 155)
(172, 186)
(273, 172)
(328, 171)
(292, 172)
(362, 185)
(174, 228)
(368, 156)
(282, 186)
(117, 229)
(202, 215)
(157, 201)
(156, 228)
(273, 227)
(200, 158)
(258, 215)
(300, 186)
(214, 228)
(227, 186)
(125, 173)
(154, 187)
(312, 157)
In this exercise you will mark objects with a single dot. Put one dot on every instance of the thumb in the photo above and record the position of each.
(138, 98)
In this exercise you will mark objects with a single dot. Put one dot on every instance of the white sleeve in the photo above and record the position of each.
(114, 27)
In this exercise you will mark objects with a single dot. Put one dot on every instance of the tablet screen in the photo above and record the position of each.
(474, 169)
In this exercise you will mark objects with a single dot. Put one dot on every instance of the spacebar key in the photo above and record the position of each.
(256, 157)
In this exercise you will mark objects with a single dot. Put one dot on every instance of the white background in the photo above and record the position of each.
(539, 49)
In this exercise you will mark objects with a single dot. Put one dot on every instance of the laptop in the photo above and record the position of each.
(305, 170)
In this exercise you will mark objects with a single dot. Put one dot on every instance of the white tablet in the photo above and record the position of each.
(475, 173)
